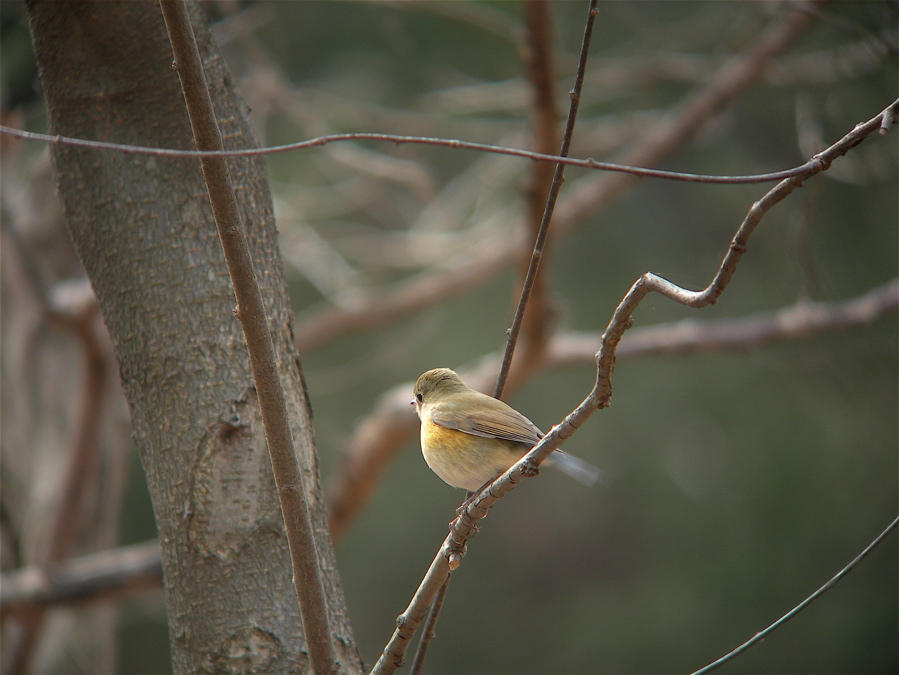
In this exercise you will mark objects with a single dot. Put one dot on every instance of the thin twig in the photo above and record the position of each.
(542, 233)
(89, 577)
(761, 635)
(534, 285)
(428, 633)
(452, 143)
(251, 313)
(452, 550)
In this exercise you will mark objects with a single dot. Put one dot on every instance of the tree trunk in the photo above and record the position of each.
(145, 234)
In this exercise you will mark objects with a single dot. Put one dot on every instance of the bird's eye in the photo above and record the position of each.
(419, 398)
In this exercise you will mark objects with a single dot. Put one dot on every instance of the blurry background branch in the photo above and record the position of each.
(90, 479)
(381, 435)
(539, 60)
(391, 424)
(584, 196)
(85, 579)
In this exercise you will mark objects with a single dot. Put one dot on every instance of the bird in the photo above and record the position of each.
(469, 438)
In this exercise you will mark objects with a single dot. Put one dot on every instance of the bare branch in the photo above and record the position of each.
(82, 460)
(539, 58)
(622, 318)
(543, 231)
(87, 578)
(398, 139)
(251, 313)
(803, 320)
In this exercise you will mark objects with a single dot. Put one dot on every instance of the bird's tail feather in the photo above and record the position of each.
(577, 468)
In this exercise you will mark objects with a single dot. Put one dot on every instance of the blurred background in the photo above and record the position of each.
(740, 479)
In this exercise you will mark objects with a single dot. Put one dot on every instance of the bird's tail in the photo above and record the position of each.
(577, 468)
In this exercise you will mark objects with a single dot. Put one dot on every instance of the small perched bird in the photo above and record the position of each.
(469, 438)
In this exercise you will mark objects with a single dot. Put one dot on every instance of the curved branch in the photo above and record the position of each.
(451, 552)
(382, 434)
(622, 318)
(691, 336)
(398, 139)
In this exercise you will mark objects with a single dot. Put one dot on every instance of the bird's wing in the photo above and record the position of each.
(505, 424)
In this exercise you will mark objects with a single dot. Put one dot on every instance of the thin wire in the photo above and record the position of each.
(455, 144)
(802, 605)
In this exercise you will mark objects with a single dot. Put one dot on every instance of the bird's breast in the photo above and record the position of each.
(463, 460)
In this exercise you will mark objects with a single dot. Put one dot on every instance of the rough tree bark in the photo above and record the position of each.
(144, 231)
